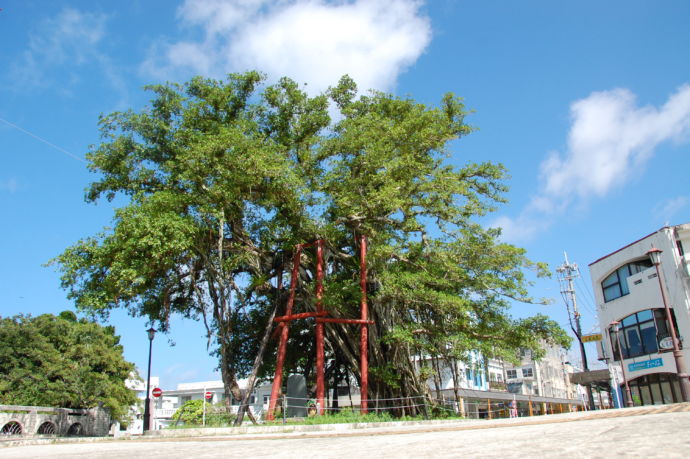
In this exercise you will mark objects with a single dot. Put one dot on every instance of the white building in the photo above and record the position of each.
(546, 377)
(165, 406)
(470, 375)
(135, 424)
(536, 385)
(627, 291)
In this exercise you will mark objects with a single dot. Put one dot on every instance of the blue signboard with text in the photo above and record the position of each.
(645, 365)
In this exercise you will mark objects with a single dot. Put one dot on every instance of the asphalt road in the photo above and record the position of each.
(616, 433)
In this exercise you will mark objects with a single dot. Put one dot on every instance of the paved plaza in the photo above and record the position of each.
(633, 432)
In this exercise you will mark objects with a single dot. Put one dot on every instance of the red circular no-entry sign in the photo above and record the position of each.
(208, 395)
(157, 392)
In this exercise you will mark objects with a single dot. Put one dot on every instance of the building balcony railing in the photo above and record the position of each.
(498, 386)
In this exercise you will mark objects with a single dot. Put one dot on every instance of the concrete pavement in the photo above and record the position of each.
(660, 431)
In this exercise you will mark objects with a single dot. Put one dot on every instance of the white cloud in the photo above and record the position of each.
(180, 373)
(312, 41)
(518, 229)
(610, 141)
(69, 38)
(10, 185)
(62, 49)
(665, 210)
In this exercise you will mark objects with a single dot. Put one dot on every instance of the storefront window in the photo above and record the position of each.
(640, 333)
(657, 398)
(654, 389)
(666, 393)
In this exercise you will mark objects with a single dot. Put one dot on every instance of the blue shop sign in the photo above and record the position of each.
(645, 365)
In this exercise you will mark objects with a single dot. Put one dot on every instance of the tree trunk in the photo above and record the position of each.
(244, 406)
(456, 383)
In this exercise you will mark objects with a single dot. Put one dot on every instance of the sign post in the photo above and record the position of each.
(207, 396)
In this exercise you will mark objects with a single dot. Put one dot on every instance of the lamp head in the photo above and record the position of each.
(152, 332)
(655, 255)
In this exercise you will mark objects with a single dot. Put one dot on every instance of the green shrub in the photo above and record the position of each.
(191, 413)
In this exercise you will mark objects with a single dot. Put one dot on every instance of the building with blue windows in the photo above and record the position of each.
(636, 339)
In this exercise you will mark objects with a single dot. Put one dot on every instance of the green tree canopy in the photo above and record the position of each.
(63, 362)
(225, 177)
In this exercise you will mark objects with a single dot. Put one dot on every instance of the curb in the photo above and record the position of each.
(351, 430)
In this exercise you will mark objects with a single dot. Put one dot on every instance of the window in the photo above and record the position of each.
(511, 374)
(528, 372)
(640, 333)
(267, 398)
(616, 284)
(654, 389)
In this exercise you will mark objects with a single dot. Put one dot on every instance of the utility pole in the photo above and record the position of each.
(566, 273)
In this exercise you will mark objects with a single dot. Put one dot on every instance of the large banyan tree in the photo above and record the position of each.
(224, 178)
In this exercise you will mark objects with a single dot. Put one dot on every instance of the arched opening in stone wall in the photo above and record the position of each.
(75, 430)
(12, 428)
(47, 428)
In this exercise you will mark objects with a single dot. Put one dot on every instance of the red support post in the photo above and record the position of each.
(363, 341)
(320, 386)
(280, 358)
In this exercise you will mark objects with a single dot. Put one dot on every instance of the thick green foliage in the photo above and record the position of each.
(225, 177)
(63, 362)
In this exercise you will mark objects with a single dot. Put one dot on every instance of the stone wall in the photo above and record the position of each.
(39, 420)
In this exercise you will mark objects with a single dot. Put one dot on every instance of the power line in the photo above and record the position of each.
(566, 273)
(58, 148)
(589, 300)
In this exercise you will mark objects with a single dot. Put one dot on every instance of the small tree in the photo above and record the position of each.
(63, 362)
(192, 413)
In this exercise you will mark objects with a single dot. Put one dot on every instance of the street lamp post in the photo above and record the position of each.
(147, 407)
(616, 327)
(655, 255)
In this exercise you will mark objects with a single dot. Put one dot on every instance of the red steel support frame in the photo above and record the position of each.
(320, 386)
(284, 328)
(364, 338)
(319, 315)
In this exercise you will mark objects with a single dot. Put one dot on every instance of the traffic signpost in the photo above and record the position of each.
(157, 392)
(208, 395)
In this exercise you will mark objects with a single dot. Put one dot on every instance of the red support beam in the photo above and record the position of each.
(364, 337)
(320, 376)
(334, 320)
(280, 358)
(301, 315)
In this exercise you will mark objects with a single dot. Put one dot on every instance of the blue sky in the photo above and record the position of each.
(586, 103)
